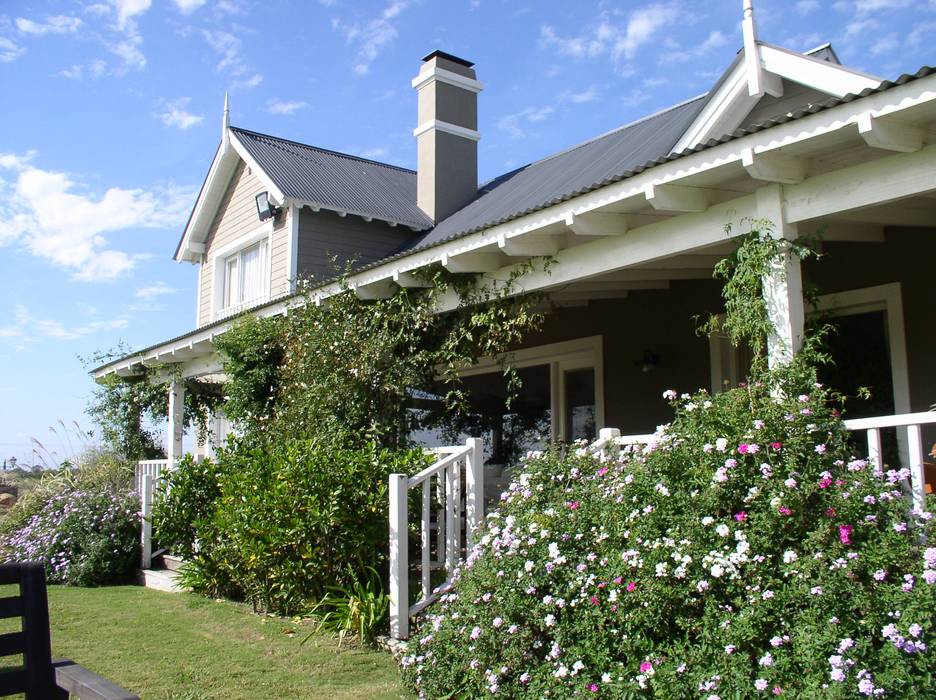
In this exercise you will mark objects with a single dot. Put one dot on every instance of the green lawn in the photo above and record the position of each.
(178, 645)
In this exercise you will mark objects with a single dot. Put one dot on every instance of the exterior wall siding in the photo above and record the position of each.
(237, 217)
(324, 234)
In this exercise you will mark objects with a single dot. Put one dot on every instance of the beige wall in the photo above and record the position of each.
(237, 217)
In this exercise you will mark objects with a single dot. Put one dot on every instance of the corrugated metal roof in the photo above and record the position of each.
(337, 181)
(568, 173)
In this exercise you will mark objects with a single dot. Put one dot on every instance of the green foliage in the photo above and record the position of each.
(127, 408)
(350, 366)
(278, 524)
(744, 548)
(251, 350)
(82, 522)
(360, 610)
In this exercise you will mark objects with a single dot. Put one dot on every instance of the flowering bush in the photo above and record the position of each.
(745, 552)
(85, 537)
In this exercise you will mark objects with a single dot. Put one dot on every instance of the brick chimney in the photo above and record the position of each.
(447, 134)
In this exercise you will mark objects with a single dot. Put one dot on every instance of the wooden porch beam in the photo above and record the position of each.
(676, 198)
(528, 245)
(889, 135)
(408, 280)
(597, 224)
(381, 289)
(864, 185)
(773, 167)
(472, 262)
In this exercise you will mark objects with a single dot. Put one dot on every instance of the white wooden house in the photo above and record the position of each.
(635, 220)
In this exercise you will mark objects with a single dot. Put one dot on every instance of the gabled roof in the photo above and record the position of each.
(337, 181)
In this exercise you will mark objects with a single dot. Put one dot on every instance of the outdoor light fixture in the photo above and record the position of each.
(265, 208)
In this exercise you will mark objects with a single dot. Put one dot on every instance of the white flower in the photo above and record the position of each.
(789, 556)
(708, 520)
(723, 530)
(721, 444)
(766, 659)
(550, 620)
(717, 570)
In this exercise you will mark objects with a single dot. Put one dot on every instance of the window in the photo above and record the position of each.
(245, 276)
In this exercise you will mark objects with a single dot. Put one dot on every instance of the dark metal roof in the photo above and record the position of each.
(568, 173)
(335, 180)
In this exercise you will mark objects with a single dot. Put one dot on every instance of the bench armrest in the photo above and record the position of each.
(87, 685)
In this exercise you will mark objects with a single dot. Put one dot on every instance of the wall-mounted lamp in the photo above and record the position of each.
(649, 362)
(265, 207)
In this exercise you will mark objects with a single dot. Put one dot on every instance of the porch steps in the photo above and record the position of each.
(163, 574)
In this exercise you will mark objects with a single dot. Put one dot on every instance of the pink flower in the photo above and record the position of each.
(776, 446)
(825, 482)
(574, 505)
(646, 667)
(593, 688)
(740, 517)
(618, 579)
(631, 585)
(743, 448)
(845, 532)
(594, 600)
(783, 510)
(830, 513)
(602, 471)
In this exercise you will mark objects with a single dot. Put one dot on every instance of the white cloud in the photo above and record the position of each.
(175, 114)
(187, 7)
(372, 36)
(26, 328)
(275, 106)
(152, 291)
(859, 26)
(805, 7)
(229, 48)
(128, 9)
(54, 218)
(375, 153)
(921, 31)
(885, 45)
(9, 51)
(714, 40)
(589, 94)
(607, 37)
(59, 24)
(868, 6)
(516, 124)
(94, 69)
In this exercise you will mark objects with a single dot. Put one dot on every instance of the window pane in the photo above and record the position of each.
(252, 272)
(230, 282)
(580, 404)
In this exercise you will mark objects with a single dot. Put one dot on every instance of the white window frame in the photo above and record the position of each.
(562, 357)
(222, 254)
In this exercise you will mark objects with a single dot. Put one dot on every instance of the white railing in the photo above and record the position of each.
(146, 474)
(912, 424)
(456, 510)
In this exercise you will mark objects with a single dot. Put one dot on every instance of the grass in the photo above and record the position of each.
(184, 647)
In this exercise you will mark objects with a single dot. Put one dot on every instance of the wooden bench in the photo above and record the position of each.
(39, 677)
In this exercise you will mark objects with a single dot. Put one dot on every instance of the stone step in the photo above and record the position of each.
(161, 580)
(167, 562)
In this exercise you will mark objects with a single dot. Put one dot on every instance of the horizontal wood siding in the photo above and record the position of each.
(237, 216)
(324, 234)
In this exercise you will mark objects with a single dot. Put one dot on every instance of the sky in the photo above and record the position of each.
(111, 112)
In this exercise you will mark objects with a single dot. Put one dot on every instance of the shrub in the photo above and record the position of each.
(744, 552)
(84, 537)
(288, 519)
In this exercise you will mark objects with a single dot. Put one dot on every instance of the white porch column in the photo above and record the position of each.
(783, 286)
(176, 420)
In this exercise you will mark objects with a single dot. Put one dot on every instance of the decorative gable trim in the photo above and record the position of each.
(760, 72)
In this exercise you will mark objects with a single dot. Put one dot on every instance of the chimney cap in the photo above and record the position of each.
(448, 57)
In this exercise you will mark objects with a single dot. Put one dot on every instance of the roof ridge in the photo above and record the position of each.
(329, 151)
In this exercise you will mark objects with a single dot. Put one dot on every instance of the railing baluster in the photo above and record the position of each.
(440, 519)
(917, 477)
(450, 522)
(874, 447)
(425, 541)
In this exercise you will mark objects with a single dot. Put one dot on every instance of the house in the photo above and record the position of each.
(635, 221)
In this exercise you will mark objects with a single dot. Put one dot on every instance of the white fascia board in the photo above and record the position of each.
(724, 111)
(812, 72)
(275, 193)
(318, 206)
(208, 199)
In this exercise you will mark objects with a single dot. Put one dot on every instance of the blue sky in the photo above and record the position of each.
(111, 113)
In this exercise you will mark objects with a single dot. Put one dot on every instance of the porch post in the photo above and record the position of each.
(399, 557)
(783, 285)
(176, 420)
(146, 515)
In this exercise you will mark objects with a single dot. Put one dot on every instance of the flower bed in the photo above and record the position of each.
(746, 552)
